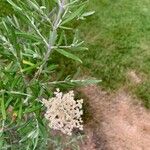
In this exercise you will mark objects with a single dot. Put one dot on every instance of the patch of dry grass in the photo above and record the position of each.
(119, 123)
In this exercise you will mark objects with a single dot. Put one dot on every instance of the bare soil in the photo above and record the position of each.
(119, 122)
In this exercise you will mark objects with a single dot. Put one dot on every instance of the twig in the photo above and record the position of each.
(52, 42)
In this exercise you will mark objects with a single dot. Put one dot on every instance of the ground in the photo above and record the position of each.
(119, 121)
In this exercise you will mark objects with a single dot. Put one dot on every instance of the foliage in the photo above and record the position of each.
(31, 38)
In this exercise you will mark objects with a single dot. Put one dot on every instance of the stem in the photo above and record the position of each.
(53, 35)
(38, 32)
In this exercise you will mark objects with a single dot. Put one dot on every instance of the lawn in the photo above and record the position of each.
(118, 37)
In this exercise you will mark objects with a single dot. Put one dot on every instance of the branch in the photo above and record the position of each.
(53, 35)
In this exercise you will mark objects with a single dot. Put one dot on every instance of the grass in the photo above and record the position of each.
(5, 8)
(118, 37)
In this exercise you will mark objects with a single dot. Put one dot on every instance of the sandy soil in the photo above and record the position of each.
(119, 122)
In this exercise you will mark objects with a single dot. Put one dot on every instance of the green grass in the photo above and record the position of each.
(5, 8)
(118, 37)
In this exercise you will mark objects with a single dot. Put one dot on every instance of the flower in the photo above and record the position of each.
(64, 112)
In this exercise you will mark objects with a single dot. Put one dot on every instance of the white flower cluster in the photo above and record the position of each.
(64, 112)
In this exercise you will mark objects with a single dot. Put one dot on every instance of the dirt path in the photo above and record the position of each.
(119, 122)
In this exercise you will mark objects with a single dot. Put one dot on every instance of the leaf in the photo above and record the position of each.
(14, 5)
(33, 4)
(88, 13)
(73, 15)
(28, 63)
(86, 82)
(69, 55)
(29, 68)
(74, 82)
(20, 111)
(33, 109)
(3, 108)
(28, 36)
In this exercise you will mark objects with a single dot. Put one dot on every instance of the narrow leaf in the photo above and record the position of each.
(73, 15)
(27, 36)
(3, 108)
(14, 5)
(69, 55)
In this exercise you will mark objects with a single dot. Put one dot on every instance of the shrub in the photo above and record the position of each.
(31, 38)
